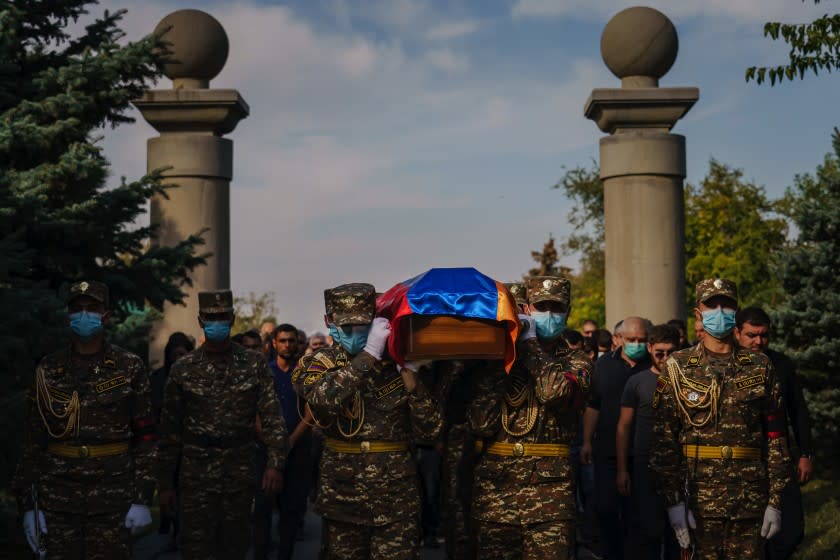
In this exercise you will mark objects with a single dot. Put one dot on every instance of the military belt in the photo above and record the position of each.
(721, 452)
(359, 447)
(223, 442)
(85, 451)
(528, 449)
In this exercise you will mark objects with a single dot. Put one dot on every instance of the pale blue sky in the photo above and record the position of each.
(390, 136)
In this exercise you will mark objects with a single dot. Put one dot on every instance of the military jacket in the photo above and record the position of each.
(115, 408)
(361, 399)
(553, 388)
(749, 415)
(209, 415)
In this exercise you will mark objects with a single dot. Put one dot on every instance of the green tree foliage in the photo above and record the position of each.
(814, 46)
(807, 324)
(583, 187)
(61, 216)
(732, 230)
(253, 310)
(728, 222)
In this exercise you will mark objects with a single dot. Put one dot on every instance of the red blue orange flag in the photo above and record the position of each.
(462, 292)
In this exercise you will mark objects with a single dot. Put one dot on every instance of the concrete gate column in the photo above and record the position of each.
(642, 167)
(191, 120)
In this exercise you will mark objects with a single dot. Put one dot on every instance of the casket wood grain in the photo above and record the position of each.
(443, 337)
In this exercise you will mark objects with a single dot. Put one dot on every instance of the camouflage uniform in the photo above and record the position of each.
(368, 498)
(208, 421)
(736, 464)
(87, 480)
(524, 500)
(518, 291)
(455, 379)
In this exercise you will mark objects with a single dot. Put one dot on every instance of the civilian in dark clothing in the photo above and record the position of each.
(573, 339)
(682, 328)
(600, 420)
(752, 331)
(633, 442)
(177, 346)
(291, 501)
(605, 340)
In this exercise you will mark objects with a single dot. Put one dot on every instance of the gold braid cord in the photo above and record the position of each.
(519, 394)
(72, 408)
(354, 412)
(314, 422)
(709, 400)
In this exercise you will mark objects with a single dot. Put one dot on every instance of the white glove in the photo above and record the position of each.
(529, 327)
(415, 366)
(29, 527)
(772, 522)
(137, 518)
(677, 515)
(380, 330)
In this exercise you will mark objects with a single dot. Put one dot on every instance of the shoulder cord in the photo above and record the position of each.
(314, 422)
(44, 400)
(708, 401)
(522, 392)
(355, 411)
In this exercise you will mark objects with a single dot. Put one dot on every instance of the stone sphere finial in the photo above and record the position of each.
(199, 47)
(639, 45)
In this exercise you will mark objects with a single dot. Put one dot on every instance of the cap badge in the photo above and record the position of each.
(718, 283)
(84, 286)
(547, 284)
(218, 298)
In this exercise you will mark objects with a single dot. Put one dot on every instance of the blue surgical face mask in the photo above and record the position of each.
(635, 350)
(549, 324)
(354, 341)
(86, 324)
(216, 331)
(719, 322)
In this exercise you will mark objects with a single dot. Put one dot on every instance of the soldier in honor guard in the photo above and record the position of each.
(520, 295)
(719, 454)
(369, 410)
(212, 398)
(524, 493)
(86, 478)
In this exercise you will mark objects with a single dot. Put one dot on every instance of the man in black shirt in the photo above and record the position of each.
(752, 330)
(601, 418)
(633, 442)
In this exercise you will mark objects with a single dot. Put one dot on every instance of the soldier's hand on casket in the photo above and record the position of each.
(529, 327)
(29, 528)
(380, 330)
(772, 522)
(681, 519)
(137, 518)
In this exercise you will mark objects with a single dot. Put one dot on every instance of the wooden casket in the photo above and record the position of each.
(445, 337)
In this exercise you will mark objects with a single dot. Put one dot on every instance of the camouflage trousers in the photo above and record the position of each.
(456, 493)
(551, 540)
(399, 540)
(215, 518)
(719, 539)
(87, 537)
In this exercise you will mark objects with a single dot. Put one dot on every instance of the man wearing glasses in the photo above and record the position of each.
(648, 519)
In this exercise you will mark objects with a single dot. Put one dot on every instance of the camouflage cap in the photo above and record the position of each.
(711, 287)
(518, 291)
(218, 301)
(90, 288)
(351, 304)
(549, 288)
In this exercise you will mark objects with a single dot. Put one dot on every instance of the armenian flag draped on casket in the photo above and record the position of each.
(450, 313)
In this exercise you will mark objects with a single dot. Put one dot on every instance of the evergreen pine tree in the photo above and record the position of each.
(61, 216)
(807, 325)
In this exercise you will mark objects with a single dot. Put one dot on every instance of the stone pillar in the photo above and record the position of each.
(191, 120)
(642, 167)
